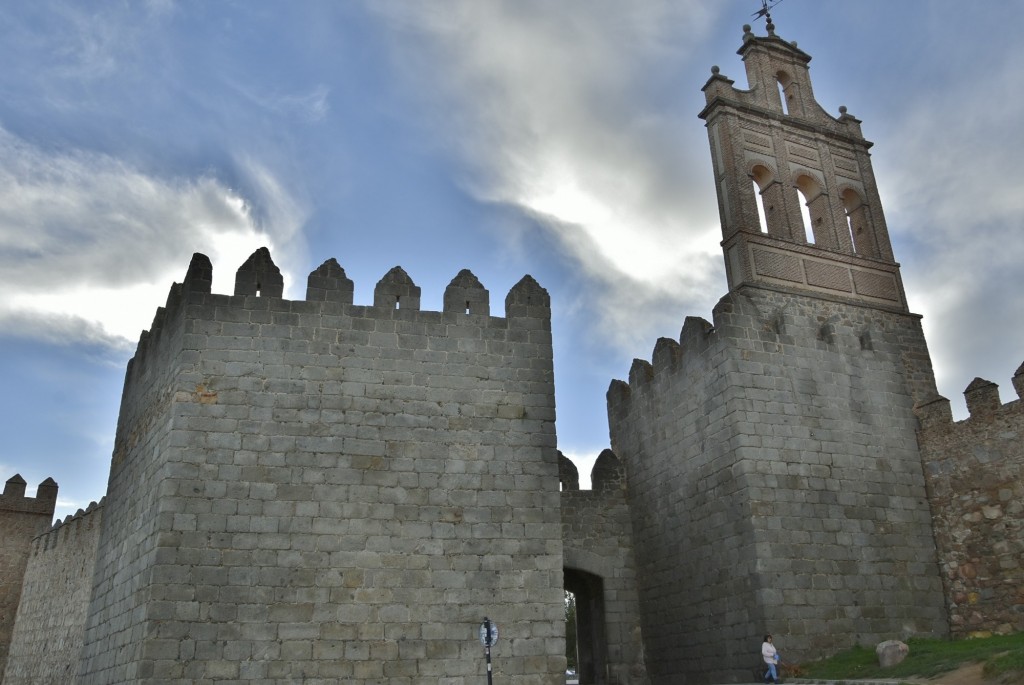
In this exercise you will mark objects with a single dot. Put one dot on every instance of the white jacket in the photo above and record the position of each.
(770, 654)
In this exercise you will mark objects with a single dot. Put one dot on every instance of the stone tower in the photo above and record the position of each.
(317, 491)
(775, 482)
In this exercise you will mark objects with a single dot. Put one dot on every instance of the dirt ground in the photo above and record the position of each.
(966, 675)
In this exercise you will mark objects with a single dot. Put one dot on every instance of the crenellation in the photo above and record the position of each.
(198, 278)
(666, 355)
(329, 283)
(396, 291)
(15, 487)
(608, 473)
(696, 334)
(13, 499)
(259, 276)
(640, 374)
(1018, 381)
(465, 294)
(982, 398)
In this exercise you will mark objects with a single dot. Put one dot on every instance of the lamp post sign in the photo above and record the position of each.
(488, 636)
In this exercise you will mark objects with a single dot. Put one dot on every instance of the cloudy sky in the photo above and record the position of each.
(558, 139)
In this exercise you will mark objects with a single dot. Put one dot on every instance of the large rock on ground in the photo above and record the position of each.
(891, 652)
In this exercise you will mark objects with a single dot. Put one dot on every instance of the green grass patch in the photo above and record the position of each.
(1008, 662)
(927, 658)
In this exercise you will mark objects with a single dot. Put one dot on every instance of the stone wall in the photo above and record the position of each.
(50, 628)
(975, 474)
(775, 484)
(319, 491)
(598, 545)
(21, 519)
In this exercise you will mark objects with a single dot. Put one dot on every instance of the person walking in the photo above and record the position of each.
(771, 659)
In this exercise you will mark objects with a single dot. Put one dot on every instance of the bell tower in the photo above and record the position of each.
(774, 146)
(775, 481)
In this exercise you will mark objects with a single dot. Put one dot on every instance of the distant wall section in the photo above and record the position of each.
(50, 628)
(975, 472)
(21, 519)
(597, 538)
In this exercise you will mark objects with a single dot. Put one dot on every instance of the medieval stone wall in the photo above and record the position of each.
(21, 519)
(775, 483)
(597, 540)
(975, 474)
(319, 491)
(50, 626)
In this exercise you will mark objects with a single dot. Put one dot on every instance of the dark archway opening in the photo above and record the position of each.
(591, 641)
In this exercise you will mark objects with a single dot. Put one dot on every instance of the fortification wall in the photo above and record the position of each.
(339, 492)
(601, 571)
(21, 519)
(975, 475)
(50, 627)
(775, 484)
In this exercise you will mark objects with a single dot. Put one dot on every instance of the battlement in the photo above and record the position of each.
(983, 404)
(607, 474)
(14, 499)
(83, 521)
(749, 327)
(329, 293)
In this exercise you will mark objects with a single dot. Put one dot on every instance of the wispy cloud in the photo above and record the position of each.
(89, 245)
(309, 107)
(84, 43)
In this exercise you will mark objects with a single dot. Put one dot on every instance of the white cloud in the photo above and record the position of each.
(952, 186)
(89, 245)
(543, 100)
